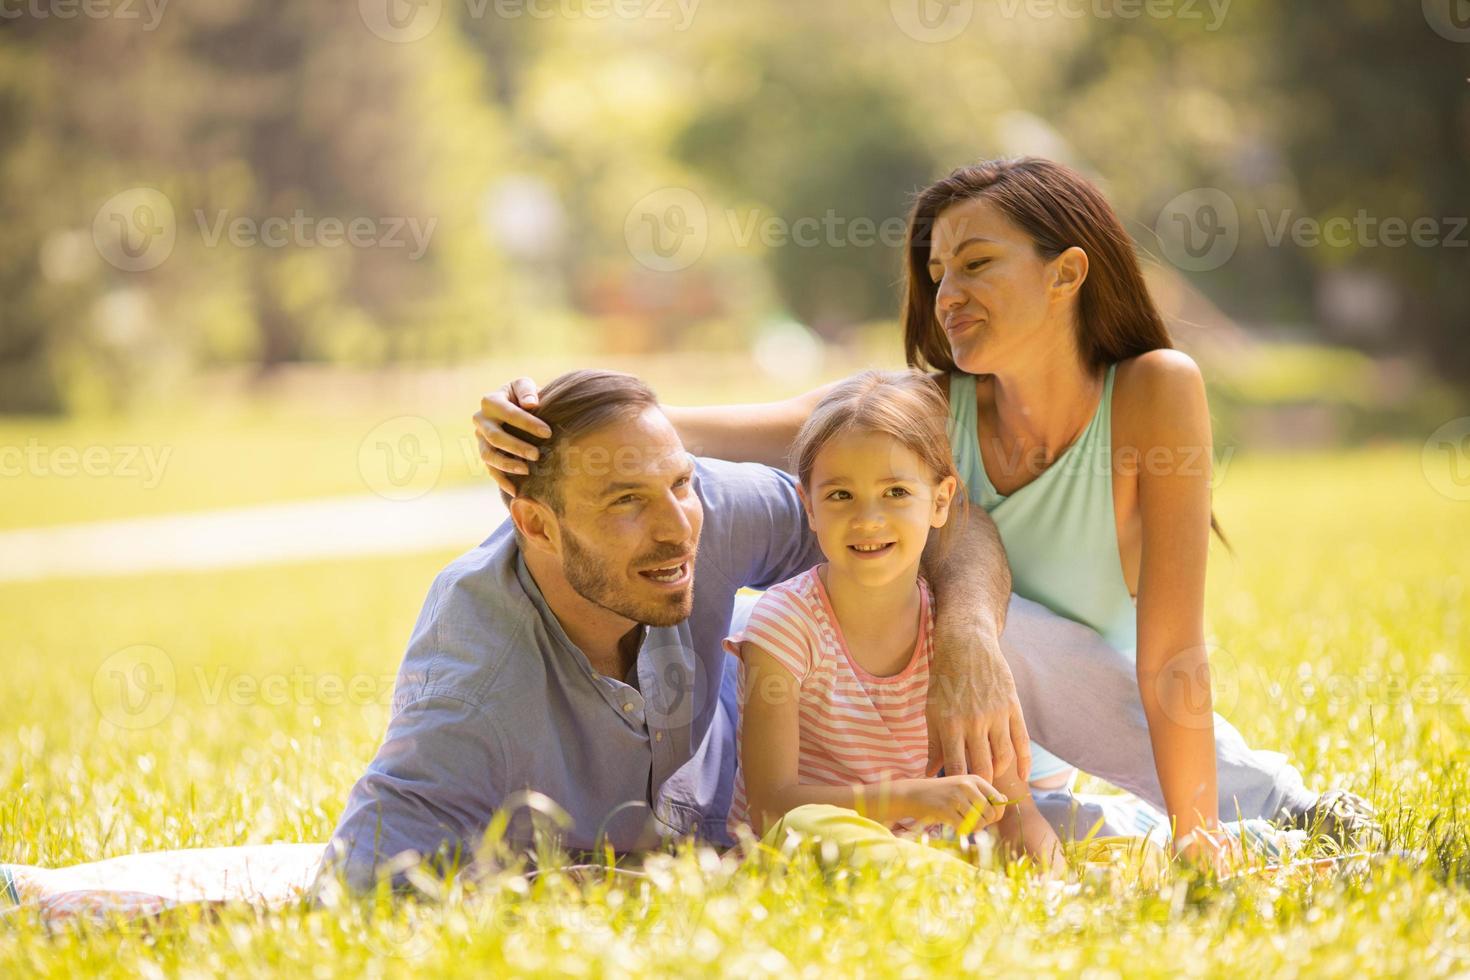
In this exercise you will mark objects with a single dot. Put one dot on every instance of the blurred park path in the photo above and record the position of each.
(335, 527)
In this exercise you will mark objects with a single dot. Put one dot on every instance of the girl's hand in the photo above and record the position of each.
(1029, 829)
(966, 803)
(501, 452)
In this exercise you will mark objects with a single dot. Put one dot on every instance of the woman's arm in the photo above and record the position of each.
(770, 743)
(760, 432)
(1170, 416)
(754, 433)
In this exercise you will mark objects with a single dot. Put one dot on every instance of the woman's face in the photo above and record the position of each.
(997, 299)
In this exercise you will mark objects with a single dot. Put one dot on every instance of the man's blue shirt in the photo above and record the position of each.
(493, 699)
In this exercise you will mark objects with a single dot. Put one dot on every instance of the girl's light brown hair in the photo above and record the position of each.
(905, 405)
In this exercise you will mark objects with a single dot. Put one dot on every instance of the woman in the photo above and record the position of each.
(1075, 425)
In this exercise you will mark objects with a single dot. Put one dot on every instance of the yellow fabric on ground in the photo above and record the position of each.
(842, 837)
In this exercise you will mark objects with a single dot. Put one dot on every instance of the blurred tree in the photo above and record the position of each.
(29, 316)
(830, 150)
(1380, 124)
(239, 115)
(1301, 113)
(509, 151)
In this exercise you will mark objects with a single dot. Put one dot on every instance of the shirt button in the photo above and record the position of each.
(628, 706)
(658, 736)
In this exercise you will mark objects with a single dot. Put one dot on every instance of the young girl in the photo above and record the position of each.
(835, 662)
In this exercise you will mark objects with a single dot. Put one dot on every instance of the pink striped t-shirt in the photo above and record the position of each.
(855, 727)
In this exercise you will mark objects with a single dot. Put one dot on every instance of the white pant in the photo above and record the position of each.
(1080, 699)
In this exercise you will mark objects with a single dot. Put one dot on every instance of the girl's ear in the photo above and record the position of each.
(944, 493)
(806, 502)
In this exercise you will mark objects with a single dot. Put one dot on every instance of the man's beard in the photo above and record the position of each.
(594, 578)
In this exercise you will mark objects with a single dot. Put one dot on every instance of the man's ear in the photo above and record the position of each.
(537, 525)
(943, 498)
(1068, 272)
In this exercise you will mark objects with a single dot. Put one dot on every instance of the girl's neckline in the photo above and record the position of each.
(862, 672)
(1055, 464)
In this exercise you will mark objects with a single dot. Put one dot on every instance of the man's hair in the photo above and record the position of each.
(574, 404)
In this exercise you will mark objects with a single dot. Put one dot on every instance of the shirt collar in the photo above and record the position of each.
(553, 625)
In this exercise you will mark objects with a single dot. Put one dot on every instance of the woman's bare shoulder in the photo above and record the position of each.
(1159, 388)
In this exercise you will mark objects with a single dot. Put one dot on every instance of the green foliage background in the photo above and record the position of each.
(765, 110)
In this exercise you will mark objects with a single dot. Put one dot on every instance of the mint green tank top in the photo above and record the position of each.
(1059, 530)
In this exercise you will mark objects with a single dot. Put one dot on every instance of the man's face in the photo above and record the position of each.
(631, 520)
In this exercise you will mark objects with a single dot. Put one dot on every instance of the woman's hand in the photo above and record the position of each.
(501, 452)
(966, 803)
(1211, 850)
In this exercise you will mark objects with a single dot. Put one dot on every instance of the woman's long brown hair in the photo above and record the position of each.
(1058, 208)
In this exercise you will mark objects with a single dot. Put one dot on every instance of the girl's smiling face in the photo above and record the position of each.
(872, 502)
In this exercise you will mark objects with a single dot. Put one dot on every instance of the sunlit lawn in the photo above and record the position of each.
(167, 464)
(1342, 640)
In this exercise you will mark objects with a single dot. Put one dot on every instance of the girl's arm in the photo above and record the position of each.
(769, 749)
(770, 741)
(1169, 413)
(1023, 827)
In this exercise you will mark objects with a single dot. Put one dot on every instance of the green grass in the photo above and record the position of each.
(1349, 572)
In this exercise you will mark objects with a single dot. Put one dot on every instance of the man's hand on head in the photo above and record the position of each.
(975, 721)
